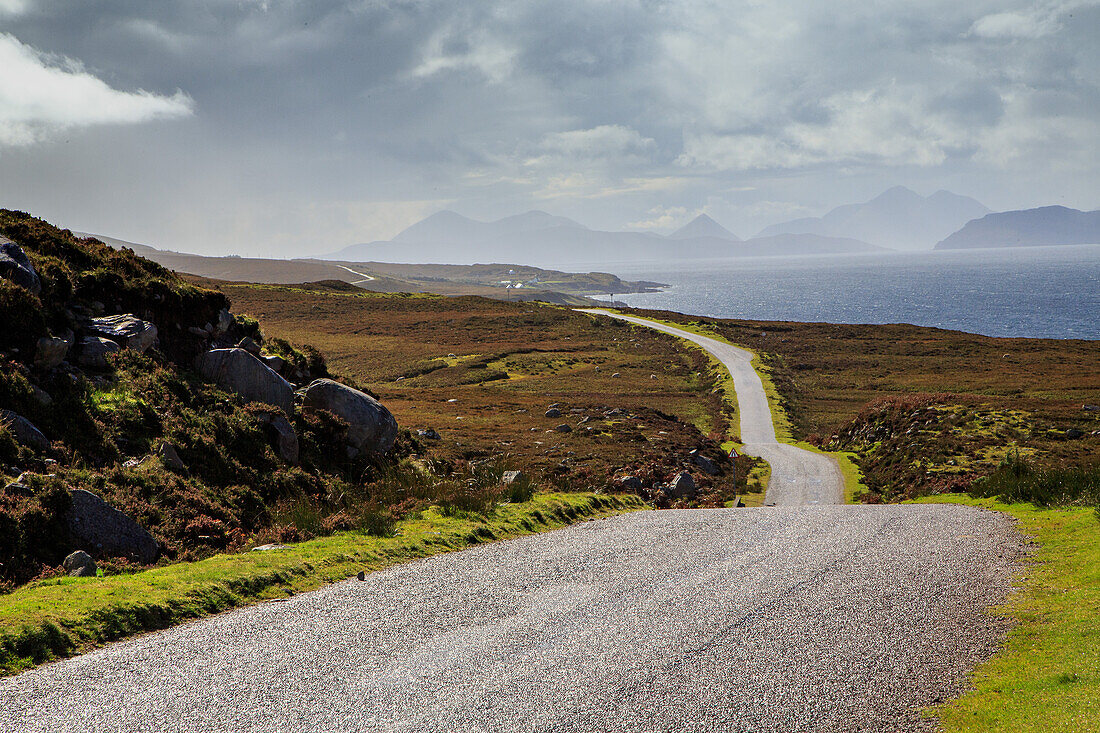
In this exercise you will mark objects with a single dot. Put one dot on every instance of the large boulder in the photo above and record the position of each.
(236, 370)
(15, 266)
(126, 330)
(97, 524)
(371, 426)
(24, 430)
(94, 350)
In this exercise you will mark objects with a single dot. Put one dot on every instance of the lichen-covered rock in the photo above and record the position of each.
(94, 350)
(97, 524)
(24, 430)
(127, 330)
(80, 564)
(17, 267)
(238, 371)
(371, 427)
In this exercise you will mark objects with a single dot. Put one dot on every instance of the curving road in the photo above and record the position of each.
(777, 619)
(798, 476)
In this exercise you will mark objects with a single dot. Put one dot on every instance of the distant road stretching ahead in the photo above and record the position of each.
(798, 476)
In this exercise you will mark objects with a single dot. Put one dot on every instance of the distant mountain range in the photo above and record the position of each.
(537, 238)
(898, 219)
(1047, 225)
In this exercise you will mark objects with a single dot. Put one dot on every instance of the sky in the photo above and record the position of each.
(296, 127)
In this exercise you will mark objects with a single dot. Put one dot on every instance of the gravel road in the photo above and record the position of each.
(824, 618)
(798, 476)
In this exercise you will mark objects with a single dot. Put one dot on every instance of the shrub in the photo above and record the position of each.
(1017, 480)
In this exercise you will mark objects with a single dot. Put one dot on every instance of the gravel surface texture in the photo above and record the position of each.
(798, 476)
(825, 618)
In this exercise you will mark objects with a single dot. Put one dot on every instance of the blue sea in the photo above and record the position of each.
(1046, 292)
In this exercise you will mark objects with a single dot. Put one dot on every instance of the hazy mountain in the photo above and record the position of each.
(1047, 225)
(539, 239)
(704, 226)
(897, 218)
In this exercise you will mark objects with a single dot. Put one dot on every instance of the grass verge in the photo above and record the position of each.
(1048, 676)
(62, 617)
(784, 431)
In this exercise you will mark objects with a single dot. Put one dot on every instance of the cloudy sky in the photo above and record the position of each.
(293, 127)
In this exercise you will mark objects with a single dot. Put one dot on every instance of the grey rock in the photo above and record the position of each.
(553, 412)
(371, 427)
(127, 330)
(275, 363)
(19, 487)
(142, 462)
(682, 486)
(94, 350)
(238, 371)
(225, 320)
(15, 266)
(24, 430)
(1074, 433)
(585, 420)
(617, 412)
(171, 457)
(564, 428)
(510, 477)
(79, 564)
(631, 482)
(50, 351)
(41, 396)
(705, 464)
(97, 524)
(286, 439)
(616, 374)
(196, 331)
(270, 546)
(429, 433)
(249, 345)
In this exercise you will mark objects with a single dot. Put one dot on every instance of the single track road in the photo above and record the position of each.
(798, 476)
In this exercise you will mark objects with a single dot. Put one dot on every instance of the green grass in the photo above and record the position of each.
(1048, 676)
(784, 430)
(62, 617)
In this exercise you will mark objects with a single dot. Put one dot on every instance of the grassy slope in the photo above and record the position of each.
(1048, 676)
(61, 617)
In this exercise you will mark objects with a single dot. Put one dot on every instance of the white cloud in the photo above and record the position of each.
(452, 49)
(1035, 22)
(41, 95)
(12, 7)
(664, 217)
(605, 141)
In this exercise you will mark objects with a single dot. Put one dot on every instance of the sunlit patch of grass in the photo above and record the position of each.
(1048, 676)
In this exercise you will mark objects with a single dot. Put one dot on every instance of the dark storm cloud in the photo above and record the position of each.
(296, 125)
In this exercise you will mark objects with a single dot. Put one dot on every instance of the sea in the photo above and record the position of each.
(1037, 292)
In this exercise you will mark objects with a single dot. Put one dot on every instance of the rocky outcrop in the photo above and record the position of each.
(80, 564)
(94, 350)
(97, 524)
(237, 371)
(17, 267)
(705, 464)
(126, 330)
(371, 427)
(24, 430)
(171, 458)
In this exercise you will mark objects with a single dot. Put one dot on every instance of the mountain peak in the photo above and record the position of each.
(704, 226)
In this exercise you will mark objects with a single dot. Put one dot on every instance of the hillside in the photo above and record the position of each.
(144, 423)
(1045, 226)
(897, 218)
